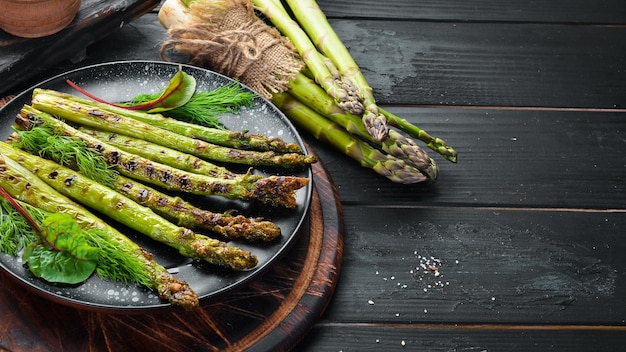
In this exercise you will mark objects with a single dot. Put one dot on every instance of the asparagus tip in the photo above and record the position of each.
(376, 126)
(399, 172)
(406, 149)
(177, 292)
(279, 190)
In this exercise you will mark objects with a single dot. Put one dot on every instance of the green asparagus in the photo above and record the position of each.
(327, 131)
(436, 144)
(27, 187)
(182, 213)
(339, 88)
(122, 209)
(65, 151)
(162, 154)
(99, 118)
(316, 26)
(223, 137)
(305, 90)
(272, 190)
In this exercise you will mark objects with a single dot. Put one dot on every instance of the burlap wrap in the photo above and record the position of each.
(236, 43)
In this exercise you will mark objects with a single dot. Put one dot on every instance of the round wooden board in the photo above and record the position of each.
(272, 313)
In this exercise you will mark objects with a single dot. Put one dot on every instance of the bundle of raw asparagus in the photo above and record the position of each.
(329, 97)
(112, 160)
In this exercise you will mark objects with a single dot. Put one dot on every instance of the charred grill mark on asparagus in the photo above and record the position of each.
(185, 214)
(162, 154)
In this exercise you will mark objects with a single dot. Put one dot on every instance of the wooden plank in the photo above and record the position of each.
(345, 337)
(507, 158)
(495, 266)
(409, 62)
(562, 11)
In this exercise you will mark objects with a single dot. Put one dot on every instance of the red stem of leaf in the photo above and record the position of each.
(20, 209)
(129, 107)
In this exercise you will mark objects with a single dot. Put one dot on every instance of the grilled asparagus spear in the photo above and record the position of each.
(272, 190)
(103, 119)
(27, 187)
(227, 138)
(122, 209)
(185, 214)
(161, 154)
(74, 153)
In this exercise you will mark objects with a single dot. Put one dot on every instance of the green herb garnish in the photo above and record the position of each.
(178, 91)
(205, 108)
(63, 254)
(67, 151)
(59, 252)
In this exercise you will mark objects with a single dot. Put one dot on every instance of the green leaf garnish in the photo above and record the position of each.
(114, 263)
(205, 107)
(177, 92)
(63, 255)
(15, 231)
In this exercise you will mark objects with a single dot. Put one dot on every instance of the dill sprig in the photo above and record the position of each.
(66, 151)
(15, 231)
(205, 108)
(114, 263)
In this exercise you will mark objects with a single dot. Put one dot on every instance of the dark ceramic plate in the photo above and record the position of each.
(120, 81)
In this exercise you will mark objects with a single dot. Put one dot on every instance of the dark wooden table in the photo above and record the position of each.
(528, 229)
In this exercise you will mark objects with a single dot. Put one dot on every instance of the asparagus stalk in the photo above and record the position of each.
(436, 144)
(272, 190)
(223, 137)
(27, 187)
(305, 90)
(122, 209)
(316, 26)
(99, 118)
(325, 130)
(340, 88)
(67, 151)
(182, 213)
(162, 154)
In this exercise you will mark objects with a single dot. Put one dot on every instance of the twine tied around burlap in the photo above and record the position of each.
(236, 43)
